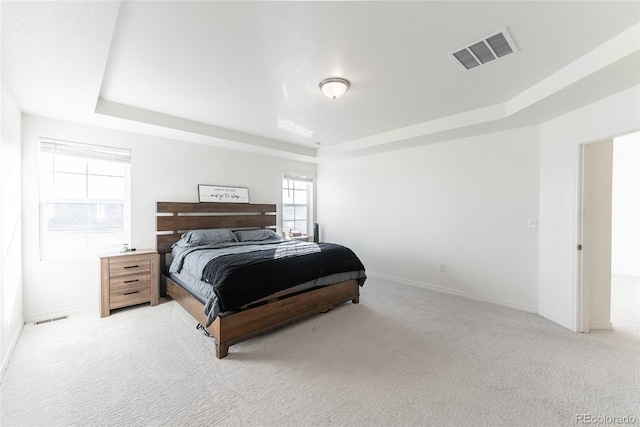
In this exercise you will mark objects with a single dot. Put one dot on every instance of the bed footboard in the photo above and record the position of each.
(232, 328)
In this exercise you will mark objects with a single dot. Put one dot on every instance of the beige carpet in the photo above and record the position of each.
(404, 356)
(625, 304)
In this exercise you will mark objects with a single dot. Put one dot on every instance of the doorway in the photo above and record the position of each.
(609, 235)
(625, 234)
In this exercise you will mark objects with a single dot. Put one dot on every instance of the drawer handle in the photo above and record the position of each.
(131, 293)
(131, 281)
(130, 266)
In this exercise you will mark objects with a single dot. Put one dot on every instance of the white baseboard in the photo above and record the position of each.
(604, 325)
(37, 317)
(456, 292)
(7, 357)
(559, 322)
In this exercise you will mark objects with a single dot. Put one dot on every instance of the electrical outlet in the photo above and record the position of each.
(443, 267)
(533, 223)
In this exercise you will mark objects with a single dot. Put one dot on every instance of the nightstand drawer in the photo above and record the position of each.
(129, 266)
(128, 282)
(137, 291)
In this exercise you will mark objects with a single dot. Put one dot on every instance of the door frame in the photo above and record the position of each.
(582, 288)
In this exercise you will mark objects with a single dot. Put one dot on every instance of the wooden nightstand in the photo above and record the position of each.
(128, 278)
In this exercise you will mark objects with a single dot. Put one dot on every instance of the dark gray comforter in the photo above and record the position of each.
(244, 272)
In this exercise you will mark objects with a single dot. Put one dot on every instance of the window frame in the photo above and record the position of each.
(87, 152)
(308, 179)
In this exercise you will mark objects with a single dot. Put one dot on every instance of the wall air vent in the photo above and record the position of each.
(40, 322)
(480, 52)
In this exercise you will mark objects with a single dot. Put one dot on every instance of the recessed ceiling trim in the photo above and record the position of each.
(484, 50)
(221, 137)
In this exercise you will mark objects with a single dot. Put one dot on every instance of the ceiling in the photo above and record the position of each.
(245, 75)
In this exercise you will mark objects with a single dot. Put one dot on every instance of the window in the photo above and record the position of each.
(297, 196)
(84, 198)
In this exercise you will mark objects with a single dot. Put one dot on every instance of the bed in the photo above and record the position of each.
(224, 264)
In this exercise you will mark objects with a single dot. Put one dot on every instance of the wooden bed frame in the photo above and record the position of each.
(174, 218)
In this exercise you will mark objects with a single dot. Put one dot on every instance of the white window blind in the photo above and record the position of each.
(75, 149)
(84, 198)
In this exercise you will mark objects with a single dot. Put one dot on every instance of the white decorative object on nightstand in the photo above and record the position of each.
(303, 238)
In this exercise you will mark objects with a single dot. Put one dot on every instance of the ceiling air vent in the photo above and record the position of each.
(493, 46)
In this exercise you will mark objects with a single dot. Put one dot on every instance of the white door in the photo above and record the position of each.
(594, 310)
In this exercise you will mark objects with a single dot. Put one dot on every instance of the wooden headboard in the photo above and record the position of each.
(174, 218)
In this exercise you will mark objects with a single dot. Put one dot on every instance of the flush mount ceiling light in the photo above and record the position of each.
(334, 87)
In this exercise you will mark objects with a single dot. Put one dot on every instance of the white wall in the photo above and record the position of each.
(11, 313)
(161, 170)
(465, 203)
(626, 206)
(560, 141)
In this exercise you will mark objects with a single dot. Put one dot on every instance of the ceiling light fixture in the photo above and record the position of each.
(334, 87)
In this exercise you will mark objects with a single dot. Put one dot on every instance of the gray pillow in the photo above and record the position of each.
(256, 235)
(206, 237)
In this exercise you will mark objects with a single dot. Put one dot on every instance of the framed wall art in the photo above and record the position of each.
(220, 194)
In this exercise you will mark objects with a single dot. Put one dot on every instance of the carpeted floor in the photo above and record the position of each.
(625, 304)
(404, 356)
